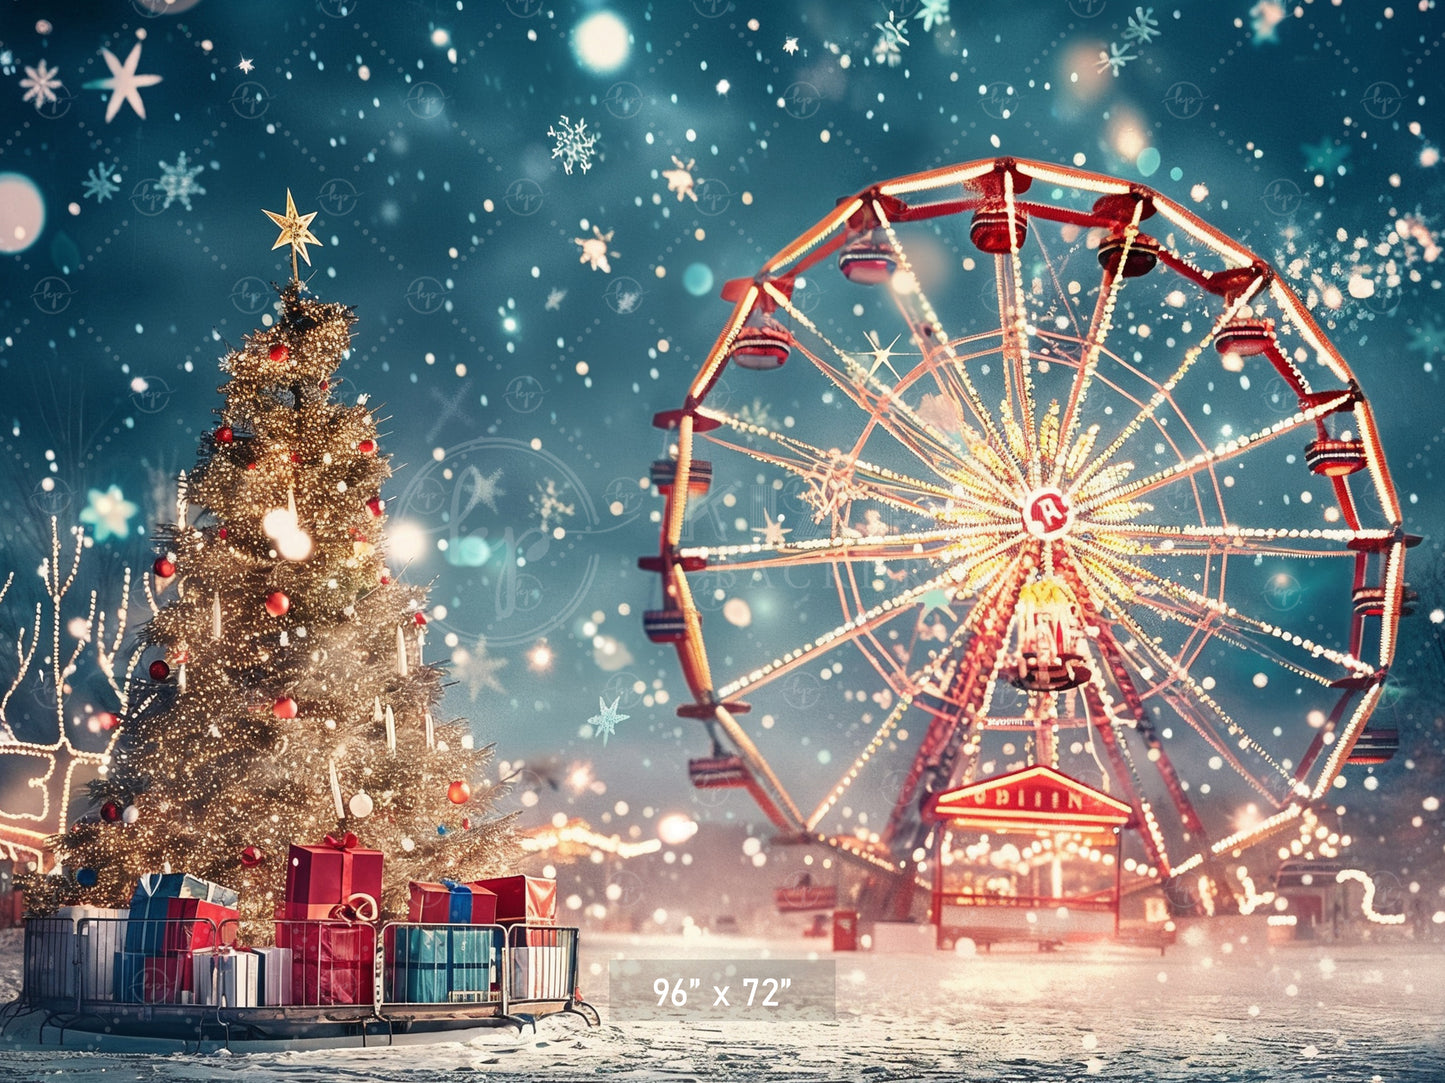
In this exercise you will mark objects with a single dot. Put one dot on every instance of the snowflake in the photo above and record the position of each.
(933, 12)
(1143, 27)
(892, 30)
(575, 146)
(178, 182)
(605, 721)
(478, 669)
(886, 51)
(594, 249)
(554, 299)
(41, 84)
(680, 180)
(627, 301)
(100, 182)
(1427, 338)
(1114, 60)
(109, 512)
(484, 489)
(790, 45)
(549, 506)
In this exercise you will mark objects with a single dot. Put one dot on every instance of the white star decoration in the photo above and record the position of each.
(124, 84)
(295, 231)
(606, 721)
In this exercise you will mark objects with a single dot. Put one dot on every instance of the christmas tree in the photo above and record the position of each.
(296, 702)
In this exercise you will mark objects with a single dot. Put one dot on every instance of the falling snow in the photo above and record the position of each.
(102, 182)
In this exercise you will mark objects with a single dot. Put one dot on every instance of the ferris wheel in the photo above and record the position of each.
(1008, 464)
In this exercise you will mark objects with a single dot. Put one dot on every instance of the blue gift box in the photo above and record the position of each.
(149, 906)
(433, 964)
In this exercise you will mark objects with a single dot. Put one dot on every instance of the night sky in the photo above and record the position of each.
(458, 156)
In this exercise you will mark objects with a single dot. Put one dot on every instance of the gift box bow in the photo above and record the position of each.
(347, 841)
(359, 908)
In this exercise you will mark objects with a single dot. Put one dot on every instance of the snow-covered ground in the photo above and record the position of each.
(1214, 1008)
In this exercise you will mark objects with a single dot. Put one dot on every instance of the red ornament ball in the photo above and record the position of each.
(225, 434)
(110, 812)
(160, 670)
(420, 620)
(164, 567)
(280, 352)
(459, 793)
(367, 447)
(375, 506)
(277, 603)
(295, 456)
(251, 856)
(221, 532)
(285, 707)
(466, 823)
(105, 720)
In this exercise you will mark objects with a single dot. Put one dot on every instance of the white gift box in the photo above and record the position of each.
(228, 978)
(90, 934)
(539, 973)
(274, 970)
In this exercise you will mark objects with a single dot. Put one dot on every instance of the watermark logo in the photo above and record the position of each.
(427, 295)
(525, 9)
(54, 110)
(1282, 196)
(148, 197)
(505, 541)
(337, 9)
(623, 295)
(524, 394)
(999, 100)
(1087, 9)
(150, 394)
(425, 101)
(1184, 100)
(52, 295)
(1283, 592)
(712, 9)
(524, 197)
(250, 295)
(338, 196)
(250, 100)
(801, 100)
(623, 100)
(713, 196)
(1382, 100)
(52, 496)
(623, 497)
(802, 691)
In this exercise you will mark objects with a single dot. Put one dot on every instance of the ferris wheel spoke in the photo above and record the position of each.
(866, 621)
(1133, 583)
(1105, 489)
(1165, 391)
(1100, 325)
(928, 317)
(924, 546)
(1227, 539)
(1199, 696)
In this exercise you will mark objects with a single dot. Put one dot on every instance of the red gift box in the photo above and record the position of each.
(451, 902)
(530, 899)
(332, 962)
(192, 924)
(319, 879)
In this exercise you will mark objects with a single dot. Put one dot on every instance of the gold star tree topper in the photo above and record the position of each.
(295, 231)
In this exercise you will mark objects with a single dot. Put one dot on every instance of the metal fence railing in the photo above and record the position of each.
(197, 964)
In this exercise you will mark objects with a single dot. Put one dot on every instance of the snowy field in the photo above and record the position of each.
(1207, 1011)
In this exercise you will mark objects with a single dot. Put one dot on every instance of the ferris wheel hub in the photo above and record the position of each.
(1047, 513)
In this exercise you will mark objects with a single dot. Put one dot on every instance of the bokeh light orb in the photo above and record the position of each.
(697, 279)
(602, 42)
(22, 213)
(676, 828)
